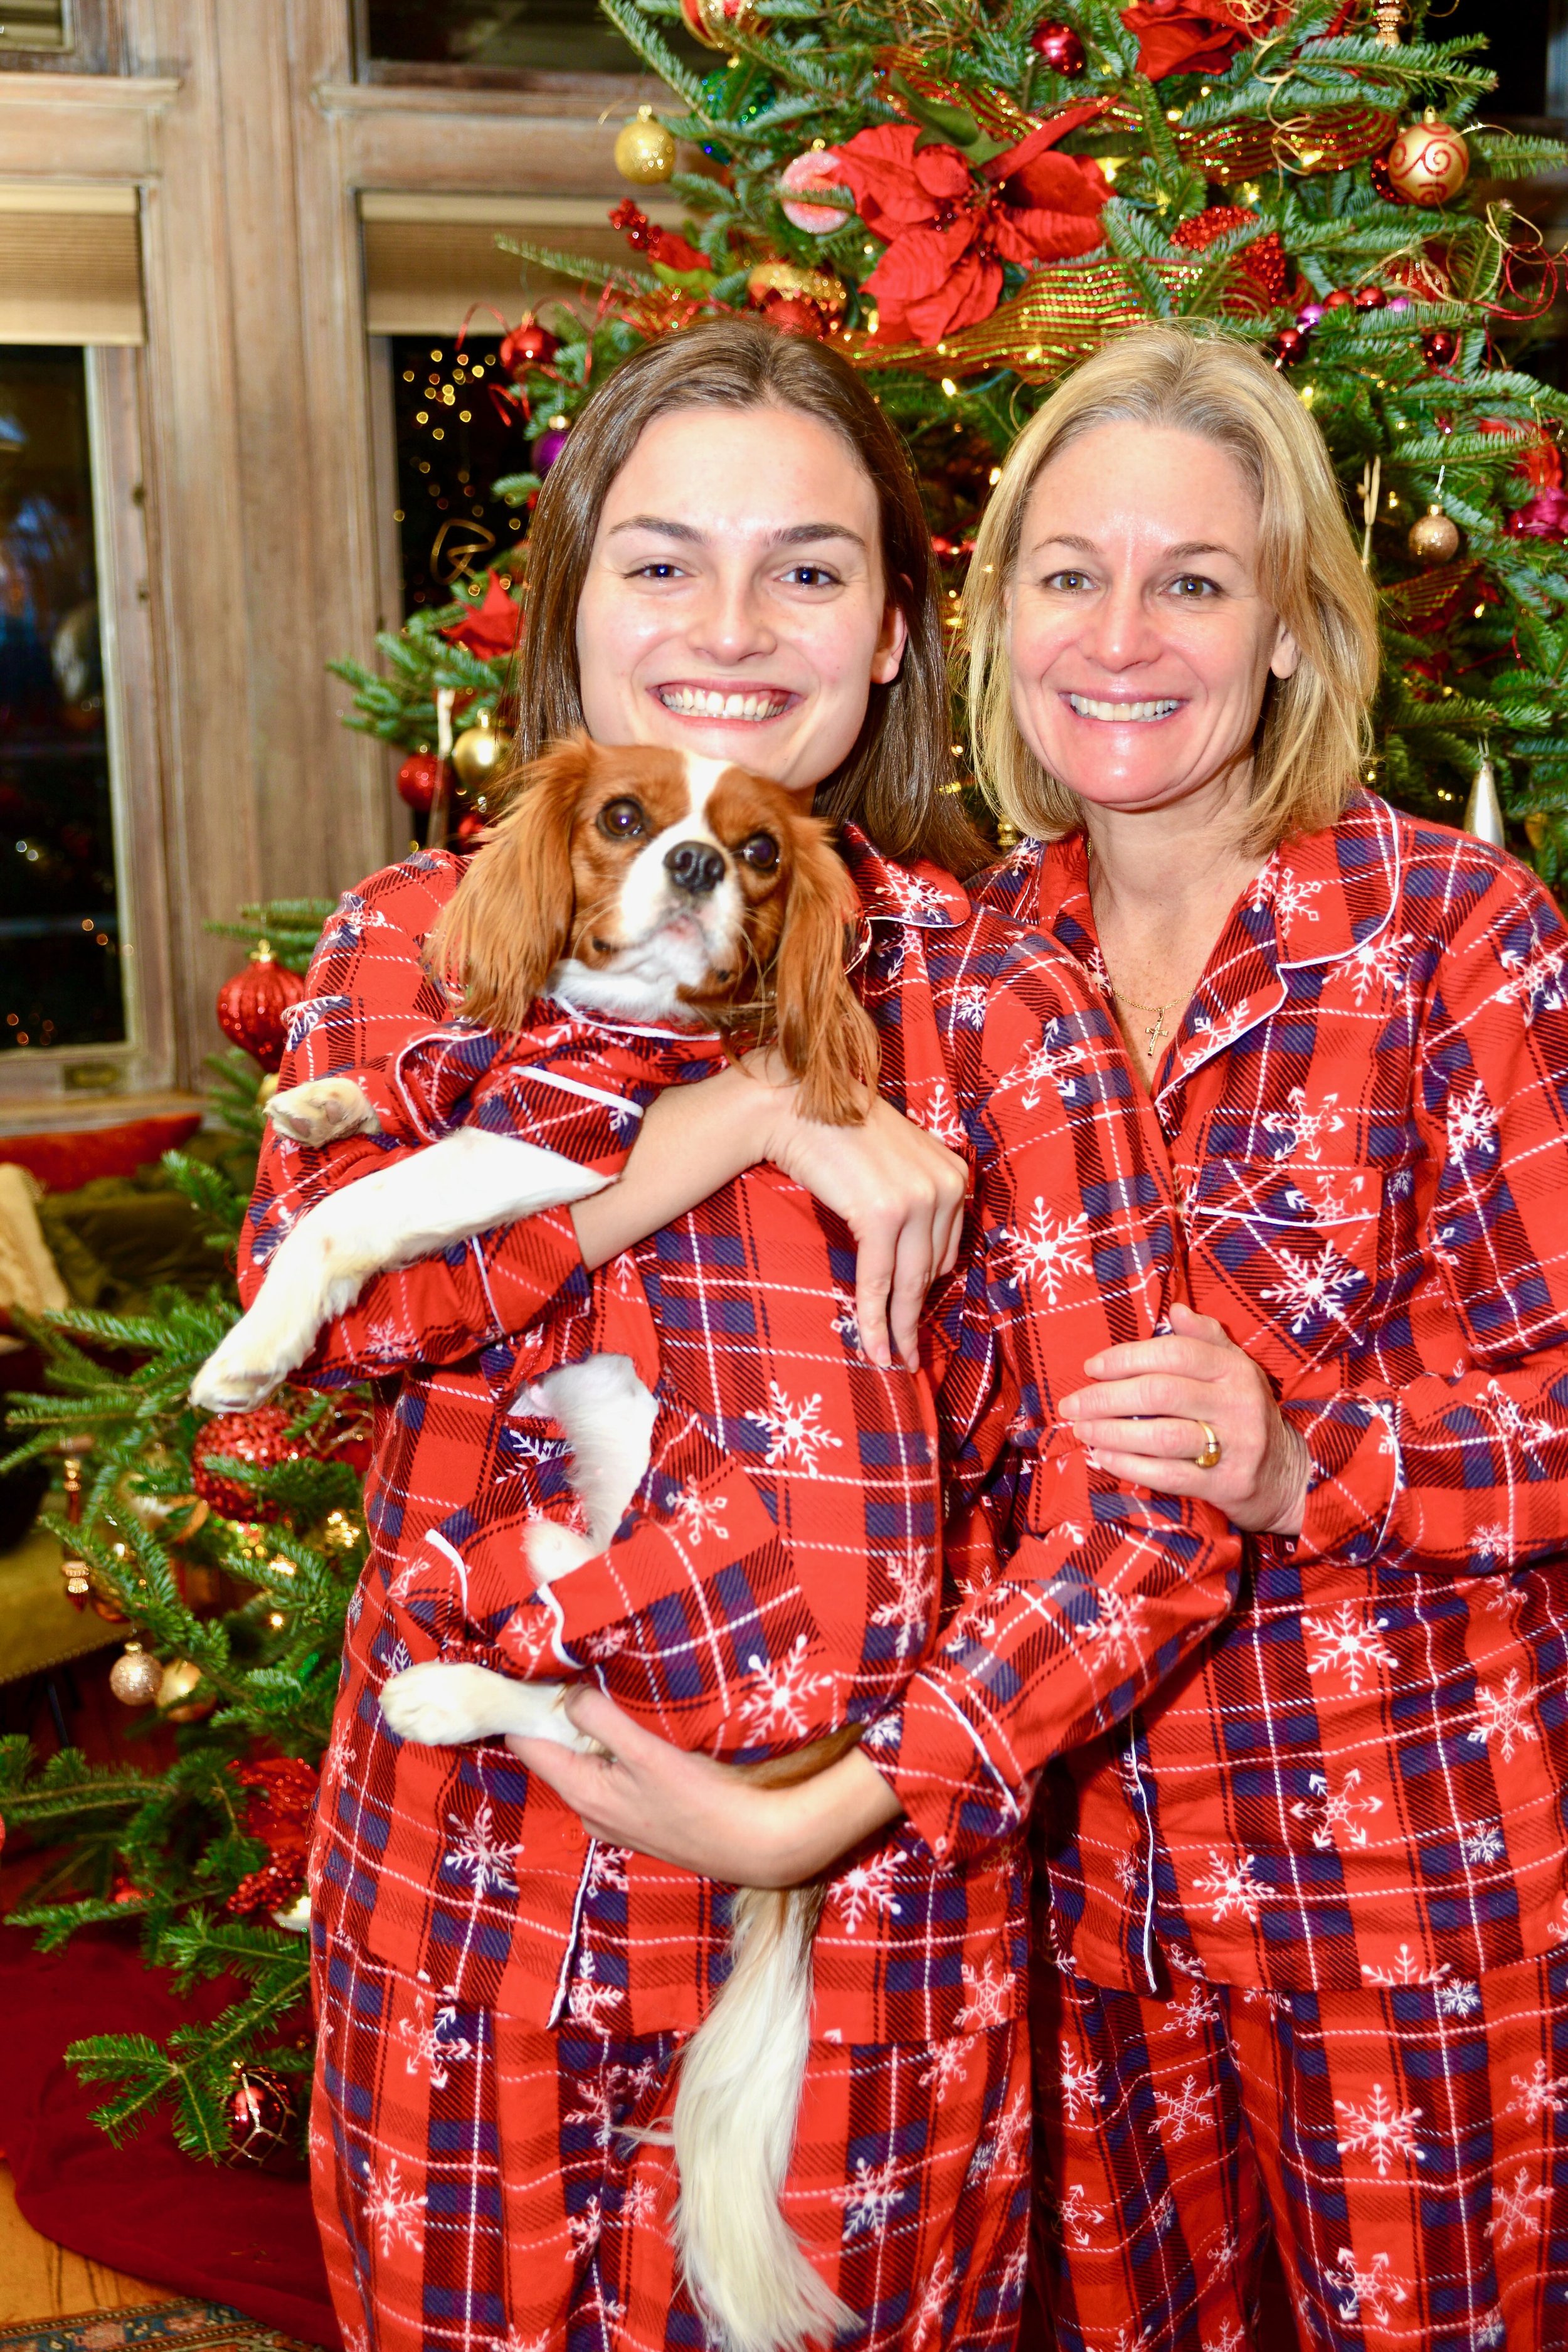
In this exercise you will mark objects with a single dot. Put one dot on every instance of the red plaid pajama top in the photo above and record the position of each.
(1064, 1597)
(1359, 1778)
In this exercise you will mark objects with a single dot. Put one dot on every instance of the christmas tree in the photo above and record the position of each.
(967, 198)
(230, 1547)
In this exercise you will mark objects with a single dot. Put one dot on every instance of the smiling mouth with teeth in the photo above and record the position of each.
(1085, 707)
(708, 702)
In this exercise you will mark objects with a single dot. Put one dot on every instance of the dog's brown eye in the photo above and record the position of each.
(762, 850)
(622, 820)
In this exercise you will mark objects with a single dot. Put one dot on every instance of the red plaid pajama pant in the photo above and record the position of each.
(480, 2187)
(1409, 2143)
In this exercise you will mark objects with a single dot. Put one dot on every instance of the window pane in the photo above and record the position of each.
(59, 934)
(33, 25)
(453, 442)
(535, 36)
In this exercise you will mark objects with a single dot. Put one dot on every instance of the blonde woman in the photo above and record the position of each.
(1305, 1958)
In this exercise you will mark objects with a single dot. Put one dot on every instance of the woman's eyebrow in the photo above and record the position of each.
(1183, 553)
(797, 535)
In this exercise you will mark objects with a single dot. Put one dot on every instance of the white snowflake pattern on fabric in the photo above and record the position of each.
(847, 1322)
(586, 2228)
(1380, 963)
(1462, 1997)
(1230, 1886)
(1078, 2082)
(696, 1516)
(607, 1868)
(1330, 1813)
(1285, 891)
(1229, 2339)
(1471, 1124)
(1221, 2253)
(1365, 2295)
(1163, 2214)
(934, 1109)
(794, 1431)
(1528, 1431)
(1307, 1291)
(872, 2198)
(1048, 1064)
(1502, 1717)
(590, 2002)
(340, 1754)
(514, 2340)
(527, 1636)
(779, 1699)
(1379, 2130)
(933, 2296)
(1514, 2217)
(1542, 2090)
(1076, 2215)
(1407, 1968)
(1488, 2331)
(396, 2214)
(865, 1888)
(476, 1851)
(1188, 2109)
(1347, 1643)
(641, 2201)
(906, 1610)
(432, 2047)
(985, 1997)
(968, 1003)
(1049, 1249)
(1534, 978)
(1117, 1624)
(948, 2061)
(597, 2110)
(1304, 1127)
(1195, 2012)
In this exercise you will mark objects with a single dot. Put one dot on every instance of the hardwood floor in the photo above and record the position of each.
(40, 2281)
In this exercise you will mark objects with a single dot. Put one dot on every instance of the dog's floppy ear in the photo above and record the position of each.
(824, 1034)
(507, 924)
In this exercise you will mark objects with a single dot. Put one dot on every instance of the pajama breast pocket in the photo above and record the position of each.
(1298, 1250)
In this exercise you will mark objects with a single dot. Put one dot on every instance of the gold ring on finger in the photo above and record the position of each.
(1209, 1458)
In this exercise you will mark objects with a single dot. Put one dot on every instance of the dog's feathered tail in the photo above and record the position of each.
(736, 2107)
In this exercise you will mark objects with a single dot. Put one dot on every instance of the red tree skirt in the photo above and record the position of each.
(226, 2233)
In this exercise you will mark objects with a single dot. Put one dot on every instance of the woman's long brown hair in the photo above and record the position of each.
(897, 782)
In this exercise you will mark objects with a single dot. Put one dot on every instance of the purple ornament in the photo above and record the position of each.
(1399, 301)
(1308, 316)
(548, 447)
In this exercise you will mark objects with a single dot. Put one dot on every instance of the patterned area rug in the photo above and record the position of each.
(149, 2327)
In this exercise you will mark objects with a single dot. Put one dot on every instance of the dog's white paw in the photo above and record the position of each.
(441, 1702)
(238, 1373)
(321, 1110)
(552, 1550)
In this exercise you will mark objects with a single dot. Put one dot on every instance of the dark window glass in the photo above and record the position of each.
(1517, 40)
(59, 932)
(453, 441)
(519, 36)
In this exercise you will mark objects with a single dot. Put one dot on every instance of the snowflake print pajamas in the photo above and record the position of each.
(447, 1877)
(1349, 1809)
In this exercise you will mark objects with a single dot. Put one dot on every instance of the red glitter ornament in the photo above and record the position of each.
(1058, 47)
(1262, 262)
(529, 345)
(279, 1810)
(259, 1438)
(260, 2112)
(252, 1006)
(419, 780)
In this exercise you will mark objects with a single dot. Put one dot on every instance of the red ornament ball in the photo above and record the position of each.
(252, 1006)
(260, 2110)
(1440, 348)
(1369, 298)
(1058, 47)
(1428, 164)
(1286, 347)
(529, 345)
(1338, 300)
(259, 1438)
(419, 780)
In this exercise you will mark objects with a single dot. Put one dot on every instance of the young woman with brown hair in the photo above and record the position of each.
(729, 557)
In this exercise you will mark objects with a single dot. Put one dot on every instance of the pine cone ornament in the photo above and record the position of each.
(259, 1437)
(252, 1007)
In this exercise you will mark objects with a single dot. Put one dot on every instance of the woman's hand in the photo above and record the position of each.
(702, 1816)
(900, 1192)
(1149, 1406)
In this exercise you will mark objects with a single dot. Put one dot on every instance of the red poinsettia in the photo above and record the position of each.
(488, 629)
(948, 235)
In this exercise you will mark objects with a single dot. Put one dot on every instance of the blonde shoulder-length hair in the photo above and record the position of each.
(1314, 728)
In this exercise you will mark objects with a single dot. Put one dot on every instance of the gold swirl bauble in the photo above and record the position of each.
(1428, 164)
(645, 152)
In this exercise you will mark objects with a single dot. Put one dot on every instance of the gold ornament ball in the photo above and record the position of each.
(135, 1677)
(719, 23)
(1428, 164)
(1434, 539)
(179, 1680)
(645, 152)
(478, 752)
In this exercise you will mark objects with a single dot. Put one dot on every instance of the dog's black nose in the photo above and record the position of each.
(695, 866)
